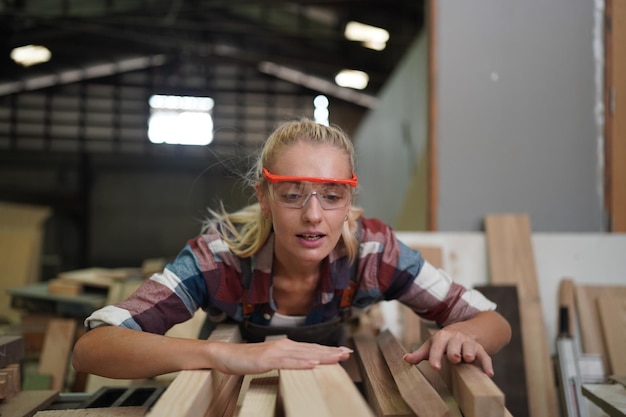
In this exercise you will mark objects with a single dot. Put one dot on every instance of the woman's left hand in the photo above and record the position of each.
(456, 346)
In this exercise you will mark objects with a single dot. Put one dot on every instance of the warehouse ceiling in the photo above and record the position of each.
(92, 38)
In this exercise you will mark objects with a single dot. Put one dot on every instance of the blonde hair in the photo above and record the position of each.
(245, 231)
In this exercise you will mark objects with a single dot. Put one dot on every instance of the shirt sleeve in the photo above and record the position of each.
(165, 299)
(389, 269)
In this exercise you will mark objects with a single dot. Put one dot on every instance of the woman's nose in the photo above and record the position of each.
(312, 210)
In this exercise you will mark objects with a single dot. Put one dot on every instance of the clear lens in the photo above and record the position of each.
(296, 194)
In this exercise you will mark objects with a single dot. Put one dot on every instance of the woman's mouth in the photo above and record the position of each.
(310, 237)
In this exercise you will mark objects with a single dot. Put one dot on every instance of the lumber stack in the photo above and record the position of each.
(83, 280)
(391, 387)
(12, 352)
(14, 401)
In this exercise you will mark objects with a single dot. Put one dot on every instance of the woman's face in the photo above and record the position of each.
(307, 235)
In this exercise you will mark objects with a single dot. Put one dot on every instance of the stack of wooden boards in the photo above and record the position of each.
(13, 400)
(82, 280)
(391, 388)
(105, 279)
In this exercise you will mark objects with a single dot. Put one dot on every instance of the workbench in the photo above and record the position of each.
(36, 299)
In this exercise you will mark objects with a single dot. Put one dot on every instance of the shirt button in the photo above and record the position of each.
(266, 316)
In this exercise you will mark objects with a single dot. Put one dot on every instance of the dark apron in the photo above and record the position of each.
(329, 333)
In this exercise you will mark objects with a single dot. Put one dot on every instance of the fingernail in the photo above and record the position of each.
(344, 349)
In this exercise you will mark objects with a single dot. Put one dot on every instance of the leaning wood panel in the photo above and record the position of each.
(512, 261)
(410, 381)
(55, 355)
(612, 312)
(508, 363)
(589, 320)
(380, 388)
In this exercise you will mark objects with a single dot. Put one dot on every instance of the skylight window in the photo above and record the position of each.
(179, 120)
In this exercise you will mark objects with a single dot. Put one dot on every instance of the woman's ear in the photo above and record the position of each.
(261, 195)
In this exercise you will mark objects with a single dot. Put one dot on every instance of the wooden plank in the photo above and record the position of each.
(63, 287)
(508, 363)
(436, 380)
(609, 397)
(188, 396)
(340, 394)
(57, 347)
(5, 385)
(258, 395)
(476, 394)
(410, 380)
(10, 381)
(98, 277)
(615, 115)
(301, 395)
(27, 403)
(225, 392)
(589, 319)
(192, 392)
(612, 312)
(96, 412)
(512, 262)
(380, 389)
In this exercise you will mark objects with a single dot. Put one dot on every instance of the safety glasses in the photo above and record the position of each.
(295, 192)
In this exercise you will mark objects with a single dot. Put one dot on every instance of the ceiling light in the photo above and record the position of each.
(371, 36)
(30, 55)
(352, 79)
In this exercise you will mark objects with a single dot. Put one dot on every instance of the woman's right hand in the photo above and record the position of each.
(254, 358)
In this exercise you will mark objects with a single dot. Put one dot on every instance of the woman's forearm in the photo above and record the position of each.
(116, 352)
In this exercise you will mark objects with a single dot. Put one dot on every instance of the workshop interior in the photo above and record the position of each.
(490, 136)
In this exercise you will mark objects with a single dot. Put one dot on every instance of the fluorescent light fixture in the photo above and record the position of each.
(371, 36)
(30, 55)
(352, 79)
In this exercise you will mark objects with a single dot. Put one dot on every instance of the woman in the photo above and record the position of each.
(296, 263)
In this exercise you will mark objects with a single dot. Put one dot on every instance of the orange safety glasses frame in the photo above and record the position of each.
(273, 178)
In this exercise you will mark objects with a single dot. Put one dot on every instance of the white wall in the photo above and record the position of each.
(516, 114)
